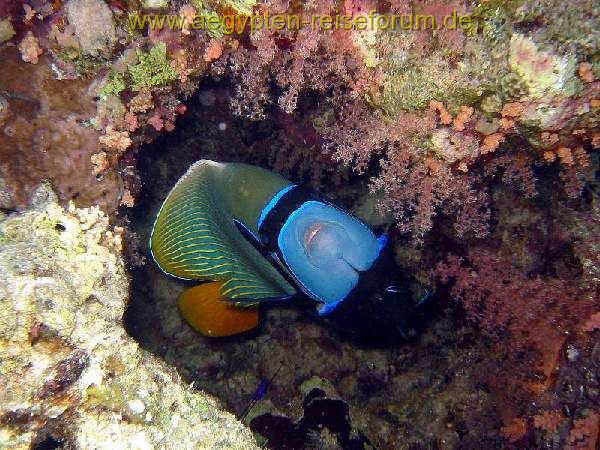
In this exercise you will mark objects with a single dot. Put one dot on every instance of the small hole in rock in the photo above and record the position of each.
(50, 443)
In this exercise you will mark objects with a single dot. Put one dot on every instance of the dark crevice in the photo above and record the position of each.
(49, 443)
(360, 351)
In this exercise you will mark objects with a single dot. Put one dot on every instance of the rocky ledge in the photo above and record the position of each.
(70, 376)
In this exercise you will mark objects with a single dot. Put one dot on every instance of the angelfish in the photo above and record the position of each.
(255, 236)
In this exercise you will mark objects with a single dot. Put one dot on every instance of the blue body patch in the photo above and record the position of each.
(382, 241)
(269, 206)
(325, 249)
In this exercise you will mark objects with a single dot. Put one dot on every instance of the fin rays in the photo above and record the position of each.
(194, 237)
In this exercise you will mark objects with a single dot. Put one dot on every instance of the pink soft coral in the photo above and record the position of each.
(498, 296)
(531, 315)
(323, 61)
(516, 170)
(416, 186)
(417, 189)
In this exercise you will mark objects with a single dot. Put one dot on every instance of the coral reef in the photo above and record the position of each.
(517, 70)
(449, 386)
(69, 373)
(380, 93)
(45, 136)
(476, 148)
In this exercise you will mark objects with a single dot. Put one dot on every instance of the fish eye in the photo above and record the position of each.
(393, 289)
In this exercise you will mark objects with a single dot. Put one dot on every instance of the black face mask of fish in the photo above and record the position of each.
(258, 237)
(385, 308)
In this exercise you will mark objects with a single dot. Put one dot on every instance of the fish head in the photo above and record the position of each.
(326, 250)
(387, 305)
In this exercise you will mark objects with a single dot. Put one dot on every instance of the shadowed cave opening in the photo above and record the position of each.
(49, 443)
(370, 386)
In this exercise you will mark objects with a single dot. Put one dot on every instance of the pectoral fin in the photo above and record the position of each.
(209, 313)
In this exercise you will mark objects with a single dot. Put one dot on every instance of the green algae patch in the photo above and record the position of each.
(115, 84)
(107, 396)
(412, 86)
(152, 69)
(210, 15)
(409, 83)
(83, 63)
(6, 30)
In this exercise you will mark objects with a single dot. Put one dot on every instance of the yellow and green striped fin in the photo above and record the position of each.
(195, 237)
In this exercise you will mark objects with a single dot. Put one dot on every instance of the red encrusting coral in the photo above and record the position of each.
(44, 136)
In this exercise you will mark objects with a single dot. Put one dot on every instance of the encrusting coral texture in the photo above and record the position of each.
(44, 135)
(69, 374)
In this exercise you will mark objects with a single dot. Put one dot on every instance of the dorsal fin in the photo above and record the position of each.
(195, 237)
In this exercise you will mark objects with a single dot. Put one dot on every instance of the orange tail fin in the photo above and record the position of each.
(206, 310)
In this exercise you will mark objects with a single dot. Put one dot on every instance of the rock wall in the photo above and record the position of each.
(69, 373)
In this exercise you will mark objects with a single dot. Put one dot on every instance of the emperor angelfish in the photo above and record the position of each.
(257, 237)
